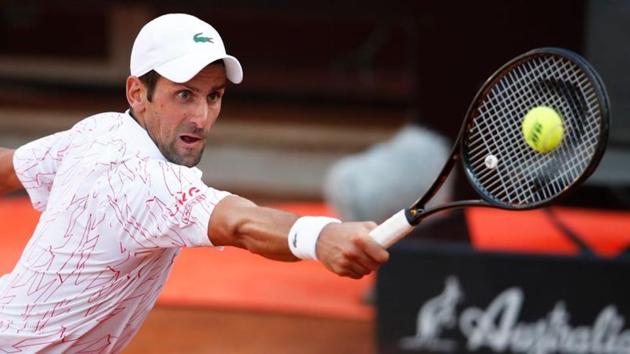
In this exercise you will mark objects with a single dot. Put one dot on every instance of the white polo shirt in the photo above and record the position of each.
(115, 214)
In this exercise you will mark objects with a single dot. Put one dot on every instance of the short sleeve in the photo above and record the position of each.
(158, 204)
(36, 165)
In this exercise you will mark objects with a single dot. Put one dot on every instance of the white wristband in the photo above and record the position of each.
(304, 234)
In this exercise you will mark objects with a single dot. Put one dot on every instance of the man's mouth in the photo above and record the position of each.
(190, 139)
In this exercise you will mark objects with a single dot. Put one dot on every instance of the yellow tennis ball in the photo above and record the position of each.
(543, 129)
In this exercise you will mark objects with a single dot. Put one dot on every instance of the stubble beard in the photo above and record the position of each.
(189, 159)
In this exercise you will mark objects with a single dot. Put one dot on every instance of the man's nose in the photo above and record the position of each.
(200, 115)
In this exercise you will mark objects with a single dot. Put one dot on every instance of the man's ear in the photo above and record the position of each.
(136, 95)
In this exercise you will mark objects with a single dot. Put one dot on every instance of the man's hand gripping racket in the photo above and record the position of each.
(517, 163)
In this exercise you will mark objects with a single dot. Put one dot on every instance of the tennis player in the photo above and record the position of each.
(120, 196)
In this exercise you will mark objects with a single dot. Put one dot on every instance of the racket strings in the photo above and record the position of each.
(522, 175)
(542, 184)
(501, 103)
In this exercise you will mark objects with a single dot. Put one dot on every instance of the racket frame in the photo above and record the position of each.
(416, 212)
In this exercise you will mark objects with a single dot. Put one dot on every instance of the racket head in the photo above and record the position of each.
(523, 178)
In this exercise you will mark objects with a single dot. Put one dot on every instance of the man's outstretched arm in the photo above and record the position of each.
(8, 179)
(344, 248)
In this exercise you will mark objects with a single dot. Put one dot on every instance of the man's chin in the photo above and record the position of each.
(191, 161)
(188, 160)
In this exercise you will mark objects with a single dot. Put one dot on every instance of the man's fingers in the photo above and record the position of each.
(359, 271)
(368, 262)
(374, 252)
(350, 269)
(354, 263)
(371, 225)
(348, 250)
(365, 256)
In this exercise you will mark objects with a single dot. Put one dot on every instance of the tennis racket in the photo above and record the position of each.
(498, 162)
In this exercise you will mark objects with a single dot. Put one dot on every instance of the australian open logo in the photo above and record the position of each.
(498, 327)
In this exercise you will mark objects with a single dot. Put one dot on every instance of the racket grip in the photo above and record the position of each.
(392, 229)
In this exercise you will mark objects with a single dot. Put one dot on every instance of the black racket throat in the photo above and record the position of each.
(439, 181)
(416, 215)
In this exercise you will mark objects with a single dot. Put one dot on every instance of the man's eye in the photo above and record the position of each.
(184, 94)
(213, 97)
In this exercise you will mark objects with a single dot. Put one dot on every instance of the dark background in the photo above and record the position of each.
(423, 58)
(429, 56)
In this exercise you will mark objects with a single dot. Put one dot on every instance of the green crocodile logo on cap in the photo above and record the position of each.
(200, 39)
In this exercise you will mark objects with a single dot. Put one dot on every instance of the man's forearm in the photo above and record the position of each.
(239, 222)
(345, 249)
(8, 179)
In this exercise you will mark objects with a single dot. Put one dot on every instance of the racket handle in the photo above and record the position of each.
(392, 229)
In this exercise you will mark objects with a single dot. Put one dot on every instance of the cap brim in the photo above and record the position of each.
(233, 69)
(184, 68)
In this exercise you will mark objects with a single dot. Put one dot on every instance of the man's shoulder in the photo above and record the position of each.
(100, 121)
(162, 169)
(155, 178)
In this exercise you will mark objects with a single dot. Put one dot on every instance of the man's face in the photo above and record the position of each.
(179, 116)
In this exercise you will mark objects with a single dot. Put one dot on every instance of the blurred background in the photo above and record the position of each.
(322, 81)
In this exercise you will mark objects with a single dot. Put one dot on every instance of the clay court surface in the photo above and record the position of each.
(206, 330)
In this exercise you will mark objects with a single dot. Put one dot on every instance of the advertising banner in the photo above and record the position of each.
(454, 300)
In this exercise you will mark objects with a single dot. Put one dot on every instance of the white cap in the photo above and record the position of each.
(178, 47)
